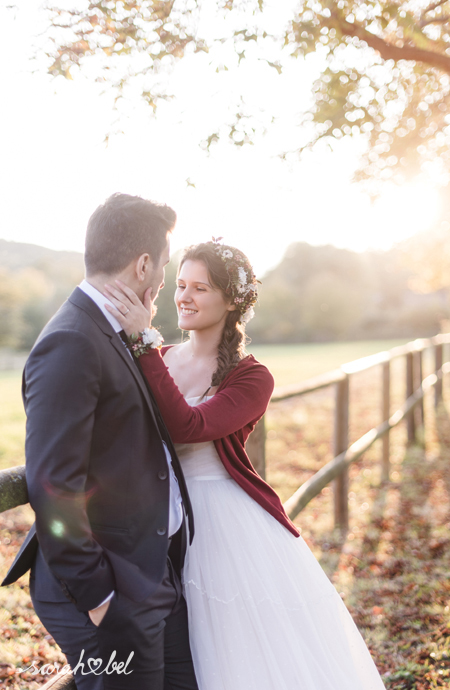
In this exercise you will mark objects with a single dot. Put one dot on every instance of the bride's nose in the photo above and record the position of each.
(186, 296)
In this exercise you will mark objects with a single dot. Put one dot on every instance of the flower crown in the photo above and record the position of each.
(242, 284)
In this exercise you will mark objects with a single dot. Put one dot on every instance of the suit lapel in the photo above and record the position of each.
(81, 300)
(120, 347)
(175, 459)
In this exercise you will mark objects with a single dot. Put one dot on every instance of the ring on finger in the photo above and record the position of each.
(126, 312)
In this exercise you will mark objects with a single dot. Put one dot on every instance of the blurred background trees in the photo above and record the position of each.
(11, 299)
(326, 293)
(34, 282)
(315, 294)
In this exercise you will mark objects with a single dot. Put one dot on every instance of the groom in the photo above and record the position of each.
(103, 477)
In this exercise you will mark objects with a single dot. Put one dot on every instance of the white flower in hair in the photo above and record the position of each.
(242, 276)
(248, 315)
(227, 254)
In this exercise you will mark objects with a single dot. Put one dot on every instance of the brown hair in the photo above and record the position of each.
(233, 341)
(124, 228)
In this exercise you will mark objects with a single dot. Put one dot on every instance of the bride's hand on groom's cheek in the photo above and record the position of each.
(133, 315)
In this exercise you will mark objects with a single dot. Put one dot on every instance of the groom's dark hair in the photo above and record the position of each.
(124, 228)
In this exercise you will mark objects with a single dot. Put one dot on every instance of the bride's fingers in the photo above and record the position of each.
(118, 295)
(117, 314)
(132, 296)
(118, 303)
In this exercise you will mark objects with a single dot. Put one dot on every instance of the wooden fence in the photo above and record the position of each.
(344, 455)
(13, 490)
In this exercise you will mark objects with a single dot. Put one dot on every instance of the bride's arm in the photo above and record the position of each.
(240, 403)
(237, 405)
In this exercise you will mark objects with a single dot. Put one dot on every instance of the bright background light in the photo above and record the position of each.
(56, 167)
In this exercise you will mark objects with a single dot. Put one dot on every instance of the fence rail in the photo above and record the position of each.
(344, 455)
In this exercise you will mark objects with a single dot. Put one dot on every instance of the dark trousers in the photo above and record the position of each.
(137, 646)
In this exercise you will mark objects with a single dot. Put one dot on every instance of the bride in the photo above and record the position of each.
(262, 613)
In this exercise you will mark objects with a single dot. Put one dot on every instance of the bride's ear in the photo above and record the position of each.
(143, 266)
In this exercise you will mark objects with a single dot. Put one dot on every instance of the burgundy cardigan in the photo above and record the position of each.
(227, 418)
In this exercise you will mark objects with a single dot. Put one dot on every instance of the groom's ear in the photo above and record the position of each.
(142, 267)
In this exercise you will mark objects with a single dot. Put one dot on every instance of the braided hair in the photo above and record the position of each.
(231, 348)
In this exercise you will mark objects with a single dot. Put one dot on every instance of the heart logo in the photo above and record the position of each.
(96, 663)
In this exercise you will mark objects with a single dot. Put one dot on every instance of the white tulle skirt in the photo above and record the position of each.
(262, 613)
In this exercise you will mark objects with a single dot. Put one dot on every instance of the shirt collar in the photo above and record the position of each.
(100, 300)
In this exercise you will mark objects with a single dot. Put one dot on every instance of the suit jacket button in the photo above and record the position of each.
(161, 531)
(162, 474)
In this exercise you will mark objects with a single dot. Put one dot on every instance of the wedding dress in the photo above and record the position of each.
(262, 613)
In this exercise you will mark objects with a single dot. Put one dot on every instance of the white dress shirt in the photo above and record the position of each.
(175, 500)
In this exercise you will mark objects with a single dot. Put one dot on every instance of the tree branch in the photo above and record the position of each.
(434, 6)
(435, 20)
(387, 50)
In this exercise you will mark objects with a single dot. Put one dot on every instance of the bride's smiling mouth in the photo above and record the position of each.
(187, 312)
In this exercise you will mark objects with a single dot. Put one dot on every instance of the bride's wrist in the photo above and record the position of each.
(145, 341)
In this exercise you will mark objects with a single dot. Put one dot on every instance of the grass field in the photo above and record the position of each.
(12, 420)
(391, 568)
(293, 363)
(288, 364)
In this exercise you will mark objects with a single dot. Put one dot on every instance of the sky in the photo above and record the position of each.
(56, 167)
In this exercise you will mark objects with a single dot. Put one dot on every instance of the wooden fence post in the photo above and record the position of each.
(438, 361)
(385, 414)
(418, 378)
(410, 420)
(256, 448)
(340, 484)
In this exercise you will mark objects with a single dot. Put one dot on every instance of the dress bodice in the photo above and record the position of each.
(200, 460)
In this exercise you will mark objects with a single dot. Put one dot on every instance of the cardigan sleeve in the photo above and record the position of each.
(241, 401)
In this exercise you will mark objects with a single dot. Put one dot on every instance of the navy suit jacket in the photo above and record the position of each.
(96, 470)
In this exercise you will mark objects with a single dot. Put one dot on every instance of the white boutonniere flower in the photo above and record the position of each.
(144, 341)
(152, 337)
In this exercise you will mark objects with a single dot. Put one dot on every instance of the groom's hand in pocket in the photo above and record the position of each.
(97, 615)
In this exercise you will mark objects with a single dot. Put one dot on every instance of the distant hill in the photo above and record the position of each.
(15, 256)
(34, 282)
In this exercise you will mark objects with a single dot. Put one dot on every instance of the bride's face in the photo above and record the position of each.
(200, 305)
